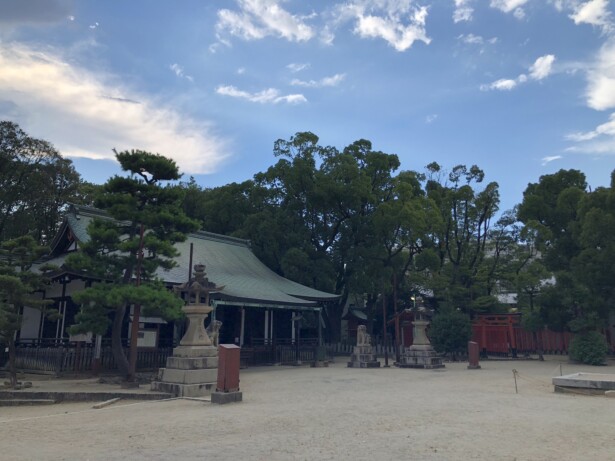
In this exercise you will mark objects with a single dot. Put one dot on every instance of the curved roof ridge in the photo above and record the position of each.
(220, 238)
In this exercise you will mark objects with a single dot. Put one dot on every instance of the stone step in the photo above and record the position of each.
(22, 402)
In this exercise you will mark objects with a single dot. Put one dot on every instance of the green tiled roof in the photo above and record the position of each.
(228, 261)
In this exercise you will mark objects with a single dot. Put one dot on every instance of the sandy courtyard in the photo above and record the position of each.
(336, 413)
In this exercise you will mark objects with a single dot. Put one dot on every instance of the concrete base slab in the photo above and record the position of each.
(364, 364)
(184, 390)
(598, 381)
(192, 363)
(226, 397)
(22, 402)
(195, 351)
(419, 365)
(171, 375)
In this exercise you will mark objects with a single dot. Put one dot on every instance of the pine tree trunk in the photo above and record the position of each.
(12, 368)
(116, 342)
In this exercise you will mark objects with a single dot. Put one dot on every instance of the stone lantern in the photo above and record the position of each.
(192, 370)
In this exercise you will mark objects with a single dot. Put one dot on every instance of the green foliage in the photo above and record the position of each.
(127, 252)
(346, 221)
(532, 321)
(35, 184)
(458, 238)
(18, 286)
(588, 347)
(573, 229)
(450, 332)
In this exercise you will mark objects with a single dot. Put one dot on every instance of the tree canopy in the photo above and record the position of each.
(36, 182)
(147, 220)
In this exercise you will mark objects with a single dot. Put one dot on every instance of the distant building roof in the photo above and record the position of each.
(229, 261)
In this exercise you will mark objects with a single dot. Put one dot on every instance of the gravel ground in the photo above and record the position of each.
(336, 413)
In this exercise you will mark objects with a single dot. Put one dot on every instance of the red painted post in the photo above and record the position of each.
(473, 354)
(228, 368)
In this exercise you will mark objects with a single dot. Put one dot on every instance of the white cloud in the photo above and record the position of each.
(431, 118)
(327, 36)
(268, 96)
(600, 95)
(504, 84)
(606, 129)
(94, 26)
(334, 80)
(508, 6)
(463, 11)
(472, 39)
(257, 19)
(179, 71)
(400, 23)
(542, 67)
(297, 67)
(241, 71)
(550, 158)
(600, 91)
(601, 140)
(594, 12)
(86, 114)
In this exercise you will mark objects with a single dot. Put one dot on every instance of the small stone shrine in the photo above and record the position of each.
(192, 371)
(421, 354)
(363, 354)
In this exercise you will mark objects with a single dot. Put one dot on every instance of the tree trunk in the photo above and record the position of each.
(116, 342)
(12, 369)
(334, 320)
(538, 346)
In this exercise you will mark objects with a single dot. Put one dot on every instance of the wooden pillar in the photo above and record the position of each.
(513, 339)
(483, 330)
(243, 326)
(292, 326)
(266, 334)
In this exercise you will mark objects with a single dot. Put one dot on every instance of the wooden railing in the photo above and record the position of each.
(72, 359)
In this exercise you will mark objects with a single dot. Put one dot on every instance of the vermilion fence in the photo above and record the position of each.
(509, 339)
(502, 334)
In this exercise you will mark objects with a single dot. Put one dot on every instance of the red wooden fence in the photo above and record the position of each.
(504, 340)
(503, 335)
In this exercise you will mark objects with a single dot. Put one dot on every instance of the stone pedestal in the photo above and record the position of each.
(363, 353)
(192, 370)
(421, 354)
(363, 357)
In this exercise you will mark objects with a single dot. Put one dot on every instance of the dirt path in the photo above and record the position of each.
(336, 413)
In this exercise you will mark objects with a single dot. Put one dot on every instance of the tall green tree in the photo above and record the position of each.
(125, 253)
(574, 230)
(18, 288)
(36, 182)
(457, 246)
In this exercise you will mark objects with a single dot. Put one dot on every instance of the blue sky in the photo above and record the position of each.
(521, 88)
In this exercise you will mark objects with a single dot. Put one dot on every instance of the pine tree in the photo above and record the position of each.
(126, 252)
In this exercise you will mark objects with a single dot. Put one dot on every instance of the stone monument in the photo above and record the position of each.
(363, 354)
(421, 354)
(192, 370)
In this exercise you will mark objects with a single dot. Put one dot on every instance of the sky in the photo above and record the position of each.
(521, 88)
